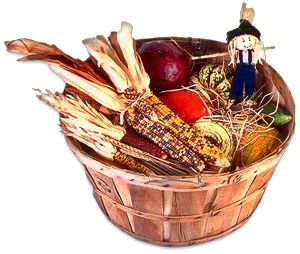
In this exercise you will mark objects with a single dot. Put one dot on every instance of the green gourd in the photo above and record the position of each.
(280, 116)
(214, 76)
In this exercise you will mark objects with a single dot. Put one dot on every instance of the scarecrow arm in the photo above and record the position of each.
(222, 54)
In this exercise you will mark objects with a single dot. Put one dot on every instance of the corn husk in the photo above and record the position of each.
(81, 115)
(102, 94)
(107, 59)
(39, 51)
(132, 59)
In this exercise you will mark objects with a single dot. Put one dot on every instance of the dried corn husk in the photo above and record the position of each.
(34, 50)
(102, 94)
(75, 72)
(107, 59)
(81, 115)
(103, 148)
(132, 59)
(119, 60)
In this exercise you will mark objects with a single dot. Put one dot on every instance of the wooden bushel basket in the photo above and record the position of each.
(175, 211)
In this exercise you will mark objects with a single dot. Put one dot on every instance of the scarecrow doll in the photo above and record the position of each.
(244, 47)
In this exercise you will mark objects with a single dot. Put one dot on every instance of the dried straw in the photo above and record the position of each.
(243, 121)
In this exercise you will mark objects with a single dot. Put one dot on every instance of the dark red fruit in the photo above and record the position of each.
(166, 64)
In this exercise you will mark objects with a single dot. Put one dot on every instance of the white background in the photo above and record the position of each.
(46, 203)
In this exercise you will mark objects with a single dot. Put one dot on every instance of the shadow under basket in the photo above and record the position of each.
(178, 211)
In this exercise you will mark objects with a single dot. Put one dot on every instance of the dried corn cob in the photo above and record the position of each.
(187, 135)
(156, 132)
(132, 163)
(131, 94)
(106, 149)
(85, 116)
(133, 139)
(146, 109)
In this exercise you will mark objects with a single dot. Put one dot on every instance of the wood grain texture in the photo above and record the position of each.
(260, 180)
(147, 199)
(248, 208)
(124, 193)
(117, 215)
(105, 184)
(221, 221)
(148, 228)
(178, 211)
(196, 204)
(179, 244)
(100, 202)
(229, 194)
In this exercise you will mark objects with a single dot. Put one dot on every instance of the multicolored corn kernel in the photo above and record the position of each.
(132, 163)
(187, 135)
(133, 139)
(157, 133)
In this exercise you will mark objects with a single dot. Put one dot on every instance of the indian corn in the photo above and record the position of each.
(105, 149)
(132, 163)
(157, 132)
(187, 135)
(85, 116)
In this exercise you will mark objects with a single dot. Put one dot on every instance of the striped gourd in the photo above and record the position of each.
(214, 76)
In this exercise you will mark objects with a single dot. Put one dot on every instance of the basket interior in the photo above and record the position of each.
(267, 79)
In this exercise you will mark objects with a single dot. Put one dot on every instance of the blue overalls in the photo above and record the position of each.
(244, 78)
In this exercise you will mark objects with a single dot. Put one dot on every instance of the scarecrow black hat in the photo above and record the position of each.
(245, 27)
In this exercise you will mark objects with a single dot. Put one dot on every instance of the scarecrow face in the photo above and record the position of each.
(245, 42)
